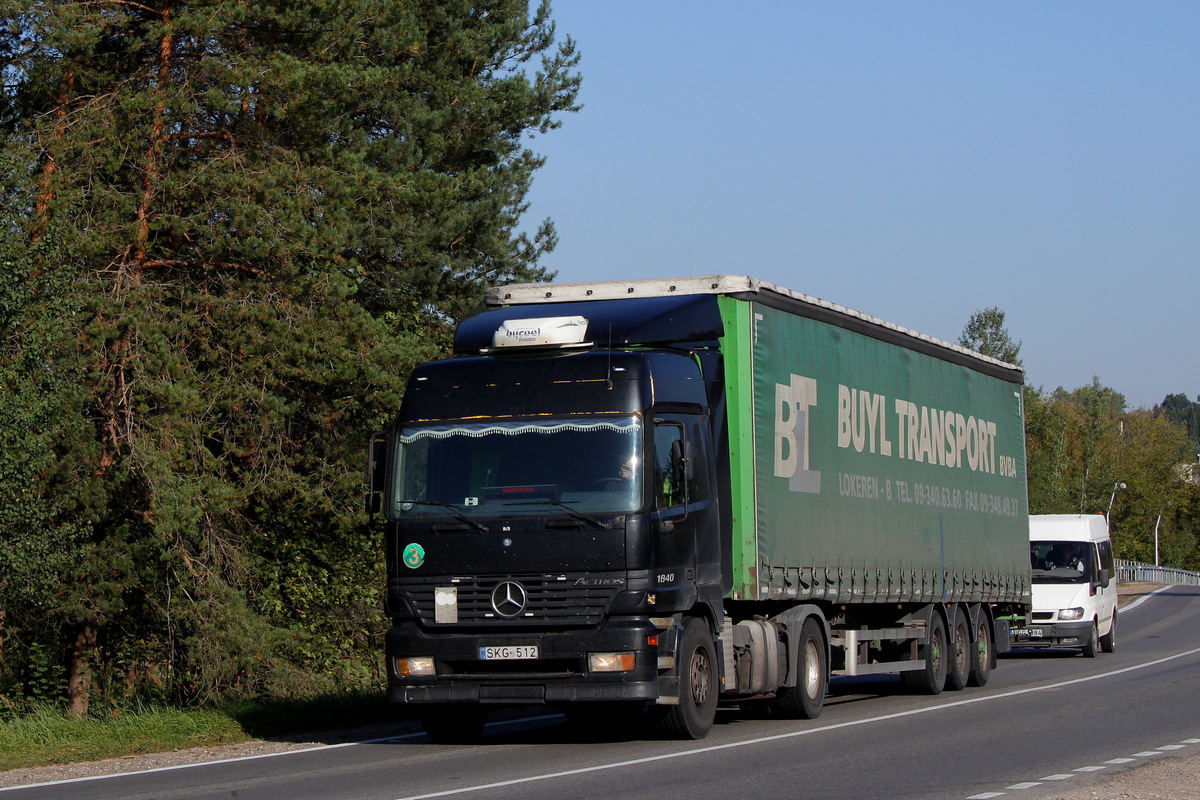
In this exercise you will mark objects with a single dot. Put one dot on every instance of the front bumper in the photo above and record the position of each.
(559, 674)
(1053, 634)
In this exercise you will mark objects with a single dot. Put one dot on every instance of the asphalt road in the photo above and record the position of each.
(1045, 723)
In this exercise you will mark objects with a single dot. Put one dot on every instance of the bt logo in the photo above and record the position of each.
(792, 404)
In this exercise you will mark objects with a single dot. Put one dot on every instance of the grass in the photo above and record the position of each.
(51, 736)
(48, 735)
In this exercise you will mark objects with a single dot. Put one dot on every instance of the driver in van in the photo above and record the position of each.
(1065, 554)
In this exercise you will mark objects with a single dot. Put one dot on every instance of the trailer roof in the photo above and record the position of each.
(740, 286)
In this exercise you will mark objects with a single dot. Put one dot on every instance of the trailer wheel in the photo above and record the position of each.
(958, 666)
(1108, 642)
(453, 723)
(981, 652)
(932, 677)
(807, 697)
(693, 717)
(1092, 645)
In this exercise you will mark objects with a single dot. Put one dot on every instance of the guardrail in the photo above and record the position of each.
(1135, 572)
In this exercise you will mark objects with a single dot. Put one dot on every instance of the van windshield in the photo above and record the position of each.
(1060, 562)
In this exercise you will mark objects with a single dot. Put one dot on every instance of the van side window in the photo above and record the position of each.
(1106, 559)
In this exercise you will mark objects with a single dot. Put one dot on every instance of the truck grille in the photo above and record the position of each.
(549, 600)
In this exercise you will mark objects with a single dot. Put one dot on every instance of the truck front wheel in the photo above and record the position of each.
(693, 717)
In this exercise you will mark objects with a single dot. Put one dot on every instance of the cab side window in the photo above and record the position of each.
(698, 452)
(668, 444)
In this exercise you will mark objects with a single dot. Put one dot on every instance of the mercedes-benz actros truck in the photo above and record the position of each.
(662, 495)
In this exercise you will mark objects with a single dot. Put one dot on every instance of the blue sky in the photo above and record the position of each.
(917, 161)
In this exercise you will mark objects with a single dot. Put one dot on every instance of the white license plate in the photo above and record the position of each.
(1032, 633)
(514, 652)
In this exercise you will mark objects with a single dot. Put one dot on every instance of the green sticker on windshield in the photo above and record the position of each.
(414, 556)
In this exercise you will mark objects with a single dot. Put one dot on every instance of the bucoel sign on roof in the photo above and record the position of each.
(541, 332)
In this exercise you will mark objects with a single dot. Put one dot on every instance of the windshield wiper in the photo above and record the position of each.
(577, 515)
(461, 517)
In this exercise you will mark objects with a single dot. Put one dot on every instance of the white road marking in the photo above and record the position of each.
(462, 790)
(663, 757)
(1061, 777)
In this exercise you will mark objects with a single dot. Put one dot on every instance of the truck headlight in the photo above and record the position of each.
(610, 662)
(415, 667)
(1070, 613)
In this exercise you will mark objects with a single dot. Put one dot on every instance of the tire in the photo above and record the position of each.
(698, 684)
(932, 677)
(1108, 642)
(1092, 646)
(807, 697)
(453, 724)
(982, 652)
(958, 665)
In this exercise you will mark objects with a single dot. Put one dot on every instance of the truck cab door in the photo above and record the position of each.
(684, 512)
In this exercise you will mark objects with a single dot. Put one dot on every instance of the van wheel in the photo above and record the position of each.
(1093, 643)
(1108, 642)
(932, 677)
(693, 717)
(982, 652)
(958, 666)
(805, 699)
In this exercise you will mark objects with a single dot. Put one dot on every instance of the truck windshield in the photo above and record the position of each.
(1060, 562)
(504, 468)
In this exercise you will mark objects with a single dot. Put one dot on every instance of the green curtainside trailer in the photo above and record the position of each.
(671, 494)
(880, 473)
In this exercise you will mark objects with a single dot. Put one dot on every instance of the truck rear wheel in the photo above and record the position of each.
(453, 723)
(807, 697)
(693, 717)
(981, 652)
(931, 678)
(958, 666)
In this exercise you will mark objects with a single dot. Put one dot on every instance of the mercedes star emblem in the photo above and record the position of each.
(509, 598)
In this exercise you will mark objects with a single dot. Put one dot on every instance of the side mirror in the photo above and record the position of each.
(1104, 579)
(681, 466)
(376, 473)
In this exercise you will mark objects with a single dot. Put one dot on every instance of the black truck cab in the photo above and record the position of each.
(551, 508)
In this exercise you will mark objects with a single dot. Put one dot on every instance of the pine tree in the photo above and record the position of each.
(274, 209)
(985, 333)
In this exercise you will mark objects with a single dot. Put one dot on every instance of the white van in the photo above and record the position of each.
(1074, 584)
